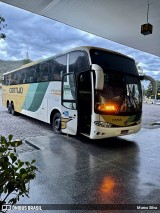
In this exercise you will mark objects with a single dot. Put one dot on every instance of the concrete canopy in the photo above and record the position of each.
(116, 20)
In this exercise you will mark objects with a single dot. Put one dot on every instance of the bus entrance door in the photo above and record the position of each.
(69, 105)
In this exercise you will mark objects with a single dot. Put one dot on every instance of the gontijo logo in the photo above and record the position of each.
(16, 90)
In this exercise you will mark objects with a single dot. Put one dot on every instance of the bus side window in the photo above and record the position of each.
(6, 80)
(13, 79)
(57, 67)
(22, 76)
(19, 77)
(78, 61)
(43, 71)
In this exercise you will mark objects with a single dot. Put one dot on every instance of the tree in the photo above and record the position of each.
(3, 25)
(26, 60)
(148, 91)
(158, 89)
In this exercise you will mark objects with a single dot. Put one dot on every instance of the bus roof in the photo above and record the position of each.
(86, 48)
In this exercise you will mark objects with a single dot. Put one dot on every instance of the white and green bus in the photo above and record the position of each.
(87, 90)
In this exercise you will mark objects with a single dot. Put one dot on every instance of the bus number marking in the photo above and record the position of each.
(116, 120)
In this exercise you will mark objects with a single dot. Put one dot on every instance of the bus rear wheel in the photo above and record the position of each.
(8, 107)
(56, 123)
(12, 109)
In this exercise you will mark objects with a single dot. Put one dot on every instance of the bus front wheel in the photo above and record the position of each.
(56, 123)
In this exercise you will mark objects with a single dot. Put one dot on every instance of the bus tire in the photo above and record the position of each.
(12, 109)
(56, 123)
(9, 107)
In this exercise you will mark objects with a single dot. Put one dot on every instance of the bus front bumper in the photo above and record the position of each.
(102, 132)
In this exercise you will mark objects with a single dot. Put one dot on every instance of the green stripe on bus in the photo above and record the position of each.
(30, 95)
(36, 94)
(134, 118)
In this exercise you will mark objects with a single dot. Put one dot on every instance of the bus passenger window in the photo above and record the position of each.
(78, 61)
(43, 71)
(6, 80)
(57, 67)
(56, 77)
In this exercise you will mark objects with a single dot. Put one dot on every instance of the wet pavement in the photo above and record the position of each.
(76, 170)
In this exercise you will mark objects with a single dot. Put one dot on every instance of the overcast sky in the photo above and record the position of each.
(42, 37)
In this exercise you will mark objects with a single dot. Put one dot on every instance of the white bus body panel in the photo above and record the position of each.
(69, 121)
(51, 101)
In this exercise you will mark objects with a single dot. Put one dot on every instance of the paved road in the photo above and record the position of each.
(151, 115)
(23, 127)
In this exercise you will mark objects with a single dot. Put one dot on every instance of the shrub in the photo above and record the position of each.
(15, 175)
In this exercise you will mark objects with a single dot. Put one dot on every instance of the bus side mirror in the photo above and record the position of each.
(153, 82)
(99, 83)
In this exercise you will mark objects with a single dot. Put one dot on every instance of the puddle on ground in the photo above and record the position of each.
(154, 125)
(26, 147)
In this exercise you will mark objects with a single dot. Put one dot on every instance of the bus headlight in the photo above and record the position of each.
(102, 124)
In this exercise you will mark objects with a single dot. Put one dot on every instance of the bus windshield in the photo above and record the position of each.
(112, 62)
(122, 89)
(121, 94)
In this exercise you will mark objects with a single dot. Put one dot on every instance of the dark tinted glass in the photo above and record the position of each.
(44, 71)
(58, 66)
(113, 62)
(78, 61)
